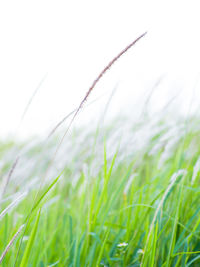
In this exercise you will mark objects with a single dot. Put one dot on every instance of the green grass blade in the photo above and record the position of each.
(45, 193)
(30, 243)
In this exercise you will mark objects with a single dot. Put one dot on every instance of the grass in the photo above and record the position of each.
(122, 195)
(121, 200)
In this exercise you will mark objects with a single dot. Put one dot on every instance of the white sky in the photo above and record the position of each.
(71, 41)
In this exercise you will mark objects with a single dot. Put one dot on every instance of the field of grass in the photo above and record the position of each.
(126, 194)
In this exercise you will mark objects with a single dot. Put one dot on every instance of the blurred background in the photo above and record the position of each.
(51, 51)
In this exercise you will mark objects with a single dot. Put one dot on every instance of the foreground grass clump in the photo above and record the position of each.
(126, 197)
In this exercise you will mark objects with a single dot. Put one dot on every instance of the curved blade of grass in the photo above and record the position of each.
(45, 193)
(10, 243)
(33, 208)
(30, 243)
(11, 205)
(155, 238)
(186, 253)
(102, 248)
(174, 229)
(174, 178)
(193, 260)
